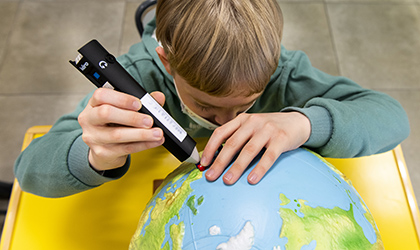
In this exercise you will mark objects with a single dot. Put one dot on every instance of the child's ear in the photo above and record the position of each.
(162, 55)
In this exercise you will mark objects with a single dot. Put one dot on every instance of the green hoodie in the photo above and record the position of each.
(346, 120)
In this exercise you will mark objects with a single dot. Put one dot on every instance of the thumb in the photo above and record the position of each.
(159, 97)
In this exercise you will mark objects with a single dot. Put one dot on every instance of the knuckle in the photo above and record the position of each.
(218, 165)
(280, 134)
(217, 162)
(100, 152)
(129, 148)
(270, 156)
(218, 132)
(87, 139)
(274, 131)
(115, 135)
(98, 94)
(104, 112)
(250, 149)
(231, 143)
(136, 119)
(251, 117)
(237, 168)
(127, 101)
(245, 116)
(81, 119)
(133, 120)
(270, 126)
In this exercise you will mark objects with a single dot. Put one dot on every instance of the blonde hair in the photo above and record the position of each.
(221, 47)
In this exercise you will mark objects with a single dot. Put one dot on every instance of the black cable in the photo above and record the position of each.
(5, 190)
(139, 14)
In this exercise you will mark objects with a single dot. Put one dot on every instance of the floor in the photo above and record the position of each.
(374, 42)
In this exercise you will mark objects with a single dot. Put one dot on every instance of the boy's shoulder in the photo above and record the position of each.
(136, 54)
(292, 56)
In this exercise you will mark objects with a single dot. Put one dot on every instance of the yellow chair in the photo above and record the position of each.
(106, 217)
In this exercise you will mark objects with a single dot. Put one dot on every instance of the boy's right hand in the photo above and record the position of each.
(113, 128)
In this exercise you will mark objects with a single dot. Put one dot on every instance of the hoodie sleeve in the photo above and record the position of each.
(347, 120)
(56, 164)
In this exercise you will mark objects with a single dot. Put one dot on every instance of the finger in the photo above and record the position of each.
(115, 98)
(259, 139)
(230, 149)
(216, 169)
(114, 155)
(246, 155)
(159, 97)
(269, 157)
(106, 114)
(121, 135)
(219, 136)
(134, 147)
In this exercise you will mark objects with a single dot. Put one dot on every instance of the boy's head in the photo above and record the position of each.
(221, 47)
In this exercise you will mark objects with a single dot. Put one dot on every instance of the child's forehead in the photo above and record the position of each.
(222, 102)
(242, 96)
(231, 100)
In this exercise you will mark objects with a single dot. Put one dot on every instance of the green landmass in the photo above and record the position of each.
(191, 204)
(367, 214)
(284, 200)
(330, 228)
(164, 210)
(200, 200)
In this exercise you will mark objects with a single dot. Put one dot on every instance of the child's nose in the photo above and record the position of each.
(225, 116)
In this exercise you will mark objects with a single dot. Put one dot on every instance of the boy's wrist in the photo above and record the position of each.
(113, 173)
(321, 124)
(100, 172)
(80, 167)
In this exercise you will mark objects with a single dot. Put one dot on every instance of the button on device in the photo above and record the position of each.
(96, 75)
(103, 64)
(110, 58)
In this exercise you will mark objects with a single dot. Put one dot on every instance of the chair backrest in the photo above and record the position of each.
(144, 14)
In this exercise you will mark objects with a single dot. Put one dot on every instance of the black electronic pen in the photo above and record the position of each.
(103, 70)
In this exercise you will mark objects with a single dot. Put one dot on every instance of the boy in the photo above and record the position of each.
(221, 67)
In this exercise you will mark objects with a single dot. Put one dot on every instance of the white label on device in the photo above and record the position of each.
(153, 106)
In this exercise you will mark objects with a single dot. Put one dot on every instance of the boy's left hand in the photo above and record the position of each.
(247, 135)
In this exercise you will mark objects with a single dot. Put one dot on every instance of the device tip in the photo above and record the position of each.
(200, 167)
(194, 157)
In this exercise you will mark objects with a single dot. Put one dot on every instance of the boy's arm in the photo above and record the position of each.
(346, 119)
(57, 165)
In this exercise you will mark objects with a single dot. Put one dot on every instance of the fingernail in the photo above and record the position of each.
(137, 104)
(228, 176)
(148, 122)
(210, 173)
(157, 133)
(253, 178)
(203, 161)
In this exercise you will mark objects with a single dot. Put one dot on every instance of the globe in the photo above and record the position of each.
(303, 202)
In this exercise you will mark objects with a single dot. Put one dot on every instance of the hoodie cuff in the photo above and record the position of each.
(79, 167)
(321, 124)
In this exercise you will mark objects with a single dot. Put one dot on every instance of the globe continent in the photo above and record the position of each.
(303, 202)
